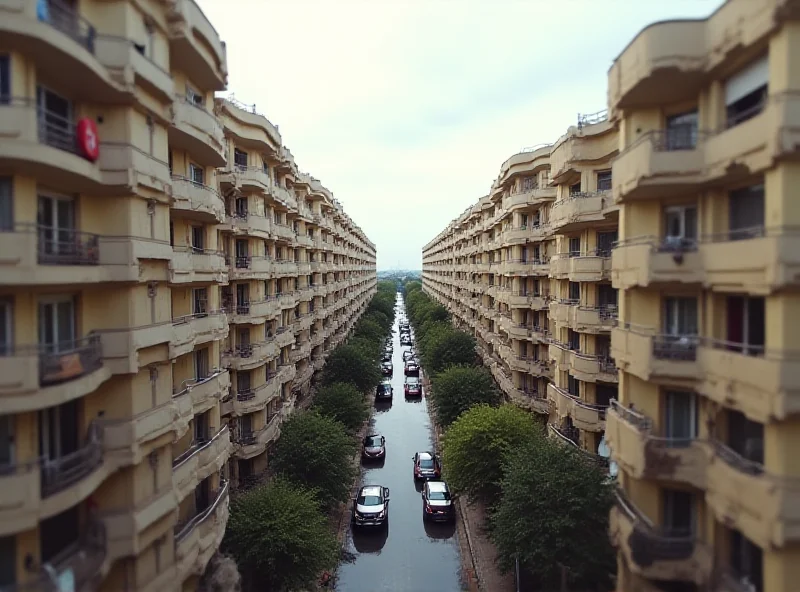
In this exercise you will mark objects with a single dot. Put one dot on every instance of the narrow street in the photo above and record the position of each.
(411, 554)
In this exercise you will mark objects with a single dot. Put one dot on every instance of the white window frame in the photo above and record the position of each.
(53, 300)
(194, 167)
(681, 211)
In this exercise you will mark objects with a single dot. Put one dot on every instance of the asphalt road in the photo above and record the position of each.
(409, 555)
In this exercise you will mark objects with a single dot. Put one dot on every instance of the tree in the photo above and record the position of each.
(553, 511)
(382, 319)
(348, 363)
(315, 450)
(369, 329)
(458, 389)
(279, 538)
(449, 349)
(477, 443)
(342, 402)
(371, 349)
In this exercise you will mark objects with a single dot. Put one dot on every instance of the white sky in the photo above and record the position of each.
(406, 109)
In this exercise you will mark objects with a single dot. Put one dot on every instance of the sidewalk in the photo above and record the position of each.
(478, 555)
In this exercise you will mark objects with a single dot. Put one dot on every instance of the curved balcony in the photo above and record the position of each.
(254, 312)
(585, 416)
(592, 368)
(594, 266)
(529, 399)
(656, 553)
(645, 261)
(582, 210)
(742, 493)
(199, 537)
(62, 43)
(196, 201)
(250, 267)
(195, 396)
(589, 142)
(247, 357)
(284, 268)
(254, 443)
(40, 376)
(129, 67)
(655, 68)
(197, 131)
(569, 438)
(649, 355)
(195, 46)
(252, 178)
(204, 457)
(584, 319)
(249, 223)
(643, 455)
(250, 128)
(287, 300)
(192, 265)
(533, 197)
(256, 398)
(192, 330)
(282, 232)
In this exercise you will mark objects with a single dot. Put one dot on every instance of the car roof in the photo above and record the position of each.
(373, 436)
(372, 490)
(412, 378)
(425, 455)
(437, 486)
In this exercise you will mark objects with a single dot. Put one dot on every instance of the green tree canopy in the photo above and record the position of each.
(458, 389)
(449, 349)
(554, 511)
(342, 402)
(279, 538)
(369, 329)
(315, 450)
(382, 319)
(369, 348)
(348, 363)
(477, 443)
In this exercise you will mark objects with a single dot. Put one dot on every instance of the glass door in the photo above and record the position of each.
(57, 324)
(56, 222)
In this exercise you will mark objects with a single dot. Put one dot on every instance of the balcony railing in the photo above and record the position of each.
(57, 131)
(184, 527)
(62, 17)
(675, 347)
(59, 473)
(67, 360)
(62, 246)
(592, 118)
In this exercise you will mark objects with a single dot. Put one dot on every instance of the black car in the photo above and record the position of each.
(386, 357)
(413, 386)
(371, 506)
(437, 503)
(384, 390)
(387, 368)
(426, 466)
(374, 447)
(408, 355)
(412, 368)
(406, 341)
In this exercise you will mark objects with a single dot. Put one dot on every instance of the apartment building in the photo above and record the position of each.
(528, 271)
(686, 183)
(118, 335)
(704, 427)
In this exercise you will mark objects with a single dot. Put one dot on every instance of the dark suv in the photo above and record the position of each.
(426, 466)
(384, 390)
(437, 503)
(374, 447)
(371, 506)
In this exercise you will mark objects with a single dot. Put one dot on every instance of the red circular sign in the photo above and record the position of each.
(88, 139)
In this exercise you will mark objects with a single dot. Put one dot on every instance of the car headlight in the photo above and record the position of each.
(382, 514)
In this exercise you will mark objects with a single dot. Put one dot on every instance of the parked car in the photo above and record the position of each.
(371, 506)
(426, 466)
(374, 447)
(408, 355)
(406, 341)
(386, 357)
(413, 386)
(412, 368)
(384, 390)
(387, 368)
(437, 503)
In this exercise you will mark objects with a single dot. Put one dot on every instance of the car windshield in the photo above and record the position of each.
(369, 500)
(413, 383)
(373, 442)
(426, 463)
(439, 495)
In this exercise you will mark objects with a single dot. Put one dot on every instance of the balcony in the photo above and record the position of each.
(246, 267)
(61, 42)
(656, 553)
(197, 131)
(584, 319)
(197, 201)
(253, 312)
(531, 197)
(249, 223)
(196, 45)
(655, 69)
(204, 457)
(282, 231)
(742, 493)
(648, 355)
(530, 399)
(247, 357)
(645, 261)
(249, 400)
(195, 265)
(250, 127)
(199, 537)
(585, 416)
(644, 455)
(592, 368)
(129, 66)
(569, 438)
(583, 267)
(582, 210)
(38, 376)
(192, 330)
(254, 443)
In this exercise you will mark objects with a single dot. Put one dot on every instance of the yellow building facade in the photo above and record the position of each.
(687, 184)
(152, 337)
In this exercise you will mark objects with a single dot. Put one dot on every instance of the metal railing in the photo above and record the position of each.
(592, 118)
(184, 527)
(67, 360)
(56, 131)
(66, 246)
(62, 17)
(59, 473)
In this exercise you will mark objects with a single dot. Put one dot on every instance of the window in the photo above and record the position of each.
(575, 188)
(681, 418)
(6, 326)
(55, 120)
(201, 369)
(680, 316)
(6, 204)
(680, 228)
(198, 239)
(606, 296)
(195, 97)
(574, 340)
(201, 427)
(679, 512)
(8, 561)
(200, 301)
(529, 184)
(746, 92)
(746, 320)
(5, 79)
(240, 158)
(575, 247)
(57, 323)
(746, 212)
(747, 561)
(604, 181)
(605, 243)
(196, 174)
(681, 131)
(240, 207)
(574, 292)
(56, 223)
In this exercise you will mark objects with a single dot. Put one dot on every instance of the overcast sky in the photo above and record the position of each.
(406, 109)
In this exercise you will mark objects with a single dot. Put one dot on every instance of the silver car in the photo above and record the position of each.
(371, 506)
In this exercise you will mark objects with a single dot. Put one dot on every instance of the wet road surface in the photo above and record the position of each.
(410, 555)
